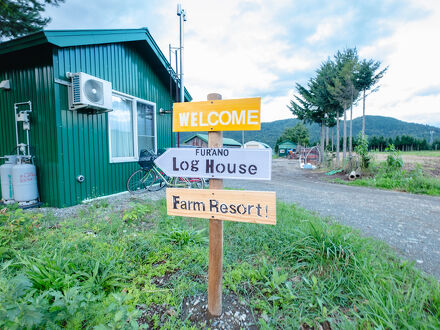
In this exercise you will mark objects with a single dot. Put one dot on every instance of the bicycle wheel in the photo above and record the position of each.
(156, 181)
(181, 182)
(137, 182)
(196, 183)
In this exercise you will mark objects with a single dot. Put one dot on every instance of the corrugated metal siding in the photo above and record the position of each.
(33, 82)
(83, 138)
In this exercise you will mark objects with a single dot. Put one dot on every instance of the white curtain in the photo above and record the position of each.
(121, 127)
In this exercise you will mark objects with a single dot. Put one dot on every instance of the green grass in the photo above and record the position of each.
(414, 181)
(94, 270)
(423, 153)
(423, 185)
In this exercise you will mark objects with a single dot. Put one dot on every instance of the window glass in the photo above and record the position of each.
(145, 126)
(121, 128)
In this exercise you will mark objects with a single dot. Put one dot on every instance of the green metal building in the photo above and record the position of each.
(201, 140)
(103, 147)
(284, 147)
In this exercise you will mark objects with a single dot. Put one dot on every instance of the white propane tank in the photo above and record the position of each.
(6, 179)
(24, 181)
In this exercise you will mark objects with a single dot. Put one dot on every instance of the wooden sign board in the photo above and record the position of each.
(217, 115)
(233, 205)
(220, 163)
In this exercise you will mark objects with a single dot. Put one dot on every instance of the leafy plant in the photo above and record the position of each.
(120, 315)
(15, 309)
(182, 237)
(394, 159)
(101, 204)
(15, 224)
(69, 305)
(104, 276)
(362, 150)
(136, 212)
(49, 272)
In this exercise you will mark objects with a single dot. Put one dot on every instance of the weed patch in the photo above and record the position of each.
(391, 175)
(105, 269)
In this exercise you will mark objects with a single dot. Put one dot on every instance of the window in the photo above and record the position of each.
(145, 126)
(132, 127)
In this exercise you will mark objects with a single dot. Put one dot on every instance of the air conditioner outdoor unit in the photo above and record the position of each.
(89, 93)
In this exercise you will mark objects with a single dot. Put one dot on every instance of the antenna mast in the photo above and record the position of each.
(182, 18)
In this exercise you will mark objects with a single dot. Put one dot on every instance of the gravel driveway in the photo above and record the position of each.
(408, 223)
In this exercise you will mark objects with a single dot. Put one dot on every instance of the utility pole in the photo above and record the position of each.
(175, 75)
(182, 18)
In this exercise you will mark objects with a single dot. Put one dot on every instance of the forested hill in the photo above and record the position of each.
(375, 125)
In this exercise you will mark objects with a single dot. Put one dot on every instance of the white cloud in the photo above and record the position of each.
(412, 54)
(328, 28)
(262, 48)
(273, 108)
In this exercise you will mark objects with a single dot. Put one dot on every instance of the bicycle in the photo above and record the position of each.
(151, 178)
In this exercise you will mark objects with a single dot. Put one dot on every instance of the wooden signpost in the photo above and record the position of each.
(215, 116)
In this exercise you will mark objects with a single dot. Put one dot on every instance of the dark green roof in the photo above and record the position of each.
(71, 38)
(226, 141)
(286, 145)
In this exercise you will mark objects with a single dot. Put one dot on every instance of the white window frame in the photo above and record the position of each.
(134, 101)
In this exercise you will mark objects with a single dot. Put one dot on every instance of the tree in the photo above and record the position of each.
(366, 78)
(307, 107)
(315, 103)
(20, 17)
(344, 89)
(330, 107)
(298, 134)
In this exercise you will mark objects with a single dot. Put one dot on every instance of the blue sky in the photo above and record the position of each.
(262, 48)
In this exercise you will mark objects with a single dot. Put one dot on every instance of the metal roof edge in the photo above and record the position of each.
(71, 38)
(82, 37)
(30, 40)
(204, 137)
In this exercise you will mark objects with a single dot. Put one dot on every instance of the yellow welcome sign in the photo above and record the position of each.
(217, 115)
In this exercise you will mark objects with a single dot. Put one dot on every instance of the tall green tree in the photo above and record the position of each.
(298, 134)
(366, 78)
(325, 76)
(20, 17)
(344, 89)
(315, 103)
(306, 107)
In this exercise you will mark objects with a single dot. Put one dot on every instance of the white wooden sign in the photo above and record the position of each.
(220, 163)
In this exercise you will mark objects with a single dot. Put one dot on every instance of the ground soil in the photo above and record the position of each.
(236, 313)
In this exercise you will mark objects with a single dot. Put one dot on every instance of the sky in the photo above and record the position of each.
(254, 48)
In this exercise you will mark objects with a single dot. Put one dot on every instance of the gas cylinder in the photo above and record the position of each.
(24, 181)
(6, 179)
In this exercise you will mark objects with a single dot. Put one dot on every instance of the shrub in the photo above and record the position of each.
(362, 150)
(394, 159)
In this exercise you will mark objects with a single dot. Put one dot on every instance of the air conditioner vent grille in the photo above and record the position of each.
(76, 86)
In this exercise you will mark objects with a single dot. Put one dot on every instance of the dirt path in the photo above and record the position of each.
(409, 223)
